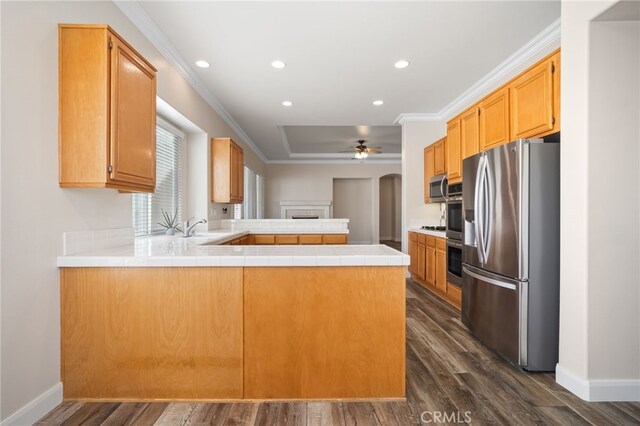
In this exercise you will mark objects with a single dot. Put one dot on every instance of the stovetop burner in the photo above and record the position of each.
(434, 228)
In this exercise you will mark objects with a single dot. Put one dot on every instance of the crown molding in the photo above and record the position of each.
(543, 42)
(148, 27)
(409, 116)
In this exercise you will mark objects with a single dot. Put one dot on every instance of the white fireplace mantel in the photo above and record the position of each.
(322, 209)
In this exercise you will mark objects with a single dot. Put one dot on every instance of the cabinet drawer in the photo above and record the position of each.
(334, 239)
(286, 239)
(413, 236)
(431, 241)
(441, 244)
(310, 239)
(245, 241)
(264, 239)
(421, 238)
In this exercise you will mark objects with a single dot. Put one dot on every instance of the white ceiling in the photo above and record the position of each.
(340, 58)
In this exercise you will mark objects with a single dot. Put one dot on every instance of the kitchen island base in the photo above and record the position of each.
(232, 333)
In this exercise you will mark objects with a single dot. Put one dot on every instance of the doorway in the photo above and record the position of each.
(353, 199)
(390, 224)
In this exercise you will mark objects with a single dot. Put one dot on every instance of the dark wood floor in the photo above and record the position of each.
(448, 373)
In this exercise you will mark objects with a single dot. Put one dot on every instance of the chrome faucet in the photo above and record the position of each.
(188, 227)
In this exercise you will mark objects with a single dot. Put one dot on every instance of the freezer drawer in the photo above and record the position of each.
(494, 308)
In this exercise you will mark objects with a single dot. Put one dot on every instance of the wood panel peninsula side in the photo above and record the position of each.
(332, 330)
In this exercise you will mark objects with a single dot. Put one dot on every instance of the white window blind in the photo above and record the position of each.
(147, 208)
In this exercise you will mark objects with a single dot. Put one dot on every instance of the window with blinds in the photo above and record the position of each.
(147, 208)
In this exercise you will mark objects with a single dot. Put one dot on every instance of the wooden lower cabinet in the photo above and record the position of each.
(152, 333)
(322, 333)
(227, 333)
(334, 239)
(421, 263)
(309, 239)
(286, 239)
(430, 260)
(413, 255)
(429, 266)
(295, 239)
(441, 270)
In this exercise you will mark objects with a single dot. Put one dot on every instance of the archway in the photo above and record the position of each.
(390, 214)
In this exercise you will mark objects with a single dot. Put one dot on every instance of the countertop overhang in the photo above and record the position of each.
(203, 250)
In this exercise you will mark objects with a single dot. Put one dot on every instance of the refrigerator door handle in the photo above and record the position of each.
(478, 208)
(488, 209)
(488, 280)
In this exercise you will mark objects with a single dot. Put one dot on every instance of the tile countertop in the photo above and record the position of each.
(203, 250)
(439, 234)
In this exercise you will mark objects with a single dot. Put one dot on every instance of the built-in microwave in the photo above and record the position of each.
(438, 188)
(454, 212)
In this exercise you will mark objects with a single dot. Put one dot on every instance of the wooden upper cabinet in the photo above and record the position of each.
(534, 101)
(494, 119)
(429, 167)
(454, 153)
(240, 174)
(469, 131)
(227, 171)
(440, 154)
(107, 111)
(133, 112)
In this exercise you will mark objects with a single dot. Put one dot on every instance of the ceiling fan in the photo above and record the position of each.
(361, 151)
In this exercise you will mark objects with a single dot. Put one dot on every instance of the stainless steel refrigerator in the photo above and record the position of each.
(511, 253)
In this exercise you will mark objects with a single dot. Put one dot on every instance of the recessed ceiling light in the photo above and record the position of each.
(403, 63)
(203, 64)
(278, 64)
(287, 103)
(378, 102)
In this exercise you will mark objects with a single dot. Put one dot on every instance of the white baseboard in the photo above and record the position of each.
(598, 390)
(36, 409)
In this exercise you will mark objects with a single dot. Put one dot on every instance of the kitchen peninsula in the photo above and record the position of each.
(172, 318)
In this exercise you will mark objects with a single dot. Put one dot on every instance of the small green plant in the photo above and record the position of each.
(170, 223)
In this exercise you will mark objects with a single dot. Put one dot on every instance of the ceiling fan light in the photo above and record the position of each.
(363, 155)
(358, 155)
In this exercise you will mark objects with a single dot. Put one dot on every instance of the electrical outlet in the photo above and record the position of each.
(224, 210)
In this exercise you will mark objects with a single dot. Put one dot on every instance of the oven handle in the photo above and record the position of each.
(454, 244)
